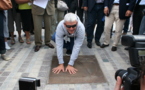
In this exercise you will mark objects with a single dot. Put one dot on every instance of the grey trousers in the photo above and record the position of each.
(6, 30)
(37, 19)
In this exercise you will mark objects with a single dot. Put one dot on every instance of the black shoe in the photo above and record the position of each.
(89, 45)
(114, 48)
(49, 45)
(127, 48)
(69, 52)
(98, 43)
(37, 48)
(103, 45)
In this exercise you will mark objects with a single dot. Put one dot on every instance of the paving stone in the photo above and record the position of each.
(27, 63)
(2, 79)
(5, 73)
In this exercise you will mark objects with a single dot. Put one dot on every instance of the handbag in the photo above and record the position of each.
(62, 6)
(5, 4)
(22, 1)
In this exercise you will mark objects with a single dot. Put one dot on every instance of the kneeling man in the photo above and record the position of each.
(70, 34)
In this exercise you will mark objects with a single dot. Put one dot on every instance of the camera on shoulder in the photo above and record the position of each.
(136, 49)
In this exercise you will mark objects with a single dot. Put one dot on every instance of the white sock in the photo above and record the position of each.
(7, 46)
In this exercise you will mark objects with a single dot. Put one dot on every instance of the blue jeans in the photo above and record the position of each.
(96, 14)
(2, 42)
(67, 45)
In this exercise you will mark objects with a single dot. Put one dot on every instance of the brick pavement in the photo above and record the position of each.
(27, 63)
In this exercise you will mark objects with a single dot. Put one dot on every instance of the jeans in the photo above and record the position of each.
(67, 45)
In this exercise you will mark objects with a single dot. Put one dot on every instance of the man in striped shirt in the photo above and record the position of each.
(70, 34)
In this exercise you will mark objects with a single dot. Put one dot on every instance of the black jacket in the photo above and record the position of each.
(89, 3)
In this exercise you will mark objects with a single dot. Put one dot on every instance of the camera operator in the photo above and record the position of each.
(142, 79)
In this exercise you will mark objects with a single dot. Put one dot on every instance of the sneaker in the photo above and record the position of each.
(4, 57)
(7, 46)
(89, 45)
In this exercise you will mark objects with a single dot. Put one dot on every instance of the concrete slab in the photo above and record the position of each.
(88, 71)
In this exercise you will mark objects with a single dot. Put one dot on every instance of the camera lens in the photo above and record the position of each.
(122, 73)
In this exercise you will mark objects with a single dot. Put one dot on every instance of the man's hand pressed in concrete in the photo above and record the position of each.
(58, 69)
(71, 69)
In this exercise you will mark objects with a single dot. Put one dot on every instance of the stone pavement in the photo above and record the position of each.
(25, 62)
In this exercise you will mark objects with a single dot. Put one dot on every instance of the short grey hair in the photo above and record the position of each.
(70, 17)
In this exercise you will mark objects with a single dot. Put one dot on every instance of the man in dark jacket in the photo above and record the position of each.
(137, 16)
(94, 10)
(118, 11)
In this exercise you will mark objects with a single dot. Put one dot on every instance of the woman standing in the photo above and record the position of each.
(27, 21)
(2, 41)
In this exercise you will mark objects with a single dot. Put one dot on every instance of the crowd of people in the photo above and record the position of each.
(71, 25)
(30, 18)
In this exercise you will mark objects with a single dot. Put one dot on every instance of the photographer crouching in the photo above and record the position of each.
(134, 77)
(141, 81)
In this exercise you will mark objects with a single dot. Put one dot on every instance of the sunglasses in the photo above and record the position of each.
(69, 26)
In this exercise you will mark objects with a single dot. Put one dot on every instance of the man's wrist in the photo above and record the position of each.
(69, 65)
(60, 64)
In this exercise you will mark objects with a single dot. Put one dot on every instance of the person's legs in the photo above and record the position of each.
(107, 28)
(126, 24)
(60, 15)
(47, 23)
(100, 24)
(37, 19)
(2, 42)
(80, 14)
(137, 17)
(11, 25)
(5, 28)
(69, 46)
(142, 27)
(118, 30)
(27, 23)
(90, 24)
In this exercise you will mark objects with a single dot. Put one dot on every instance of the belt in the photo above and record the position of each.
(115, 3)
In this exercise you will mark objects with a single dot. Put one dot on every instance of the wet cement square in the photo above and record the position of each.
(88, 71)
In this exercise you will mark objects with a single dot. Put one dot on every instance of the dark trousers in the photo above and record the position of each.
(80, 13)
(27, 20)
(2, 42)
(74, 7)
(67, 45)
(137, 17)
(92, 16)
(126, 24)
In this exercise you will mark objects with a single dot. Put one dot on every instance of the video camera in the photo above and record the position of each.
(136, 48)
